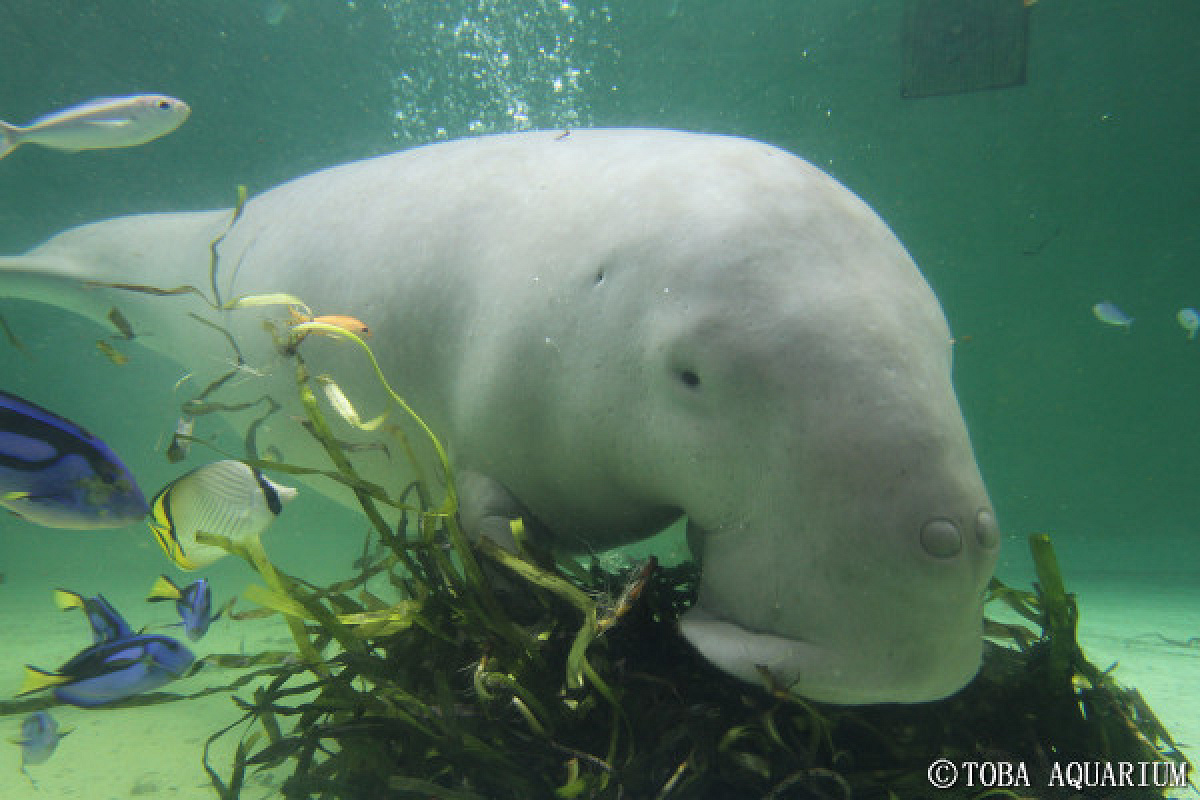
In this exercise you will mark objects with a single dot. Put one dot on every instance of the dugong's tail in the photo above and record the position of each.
(55, 282)
(69, 269)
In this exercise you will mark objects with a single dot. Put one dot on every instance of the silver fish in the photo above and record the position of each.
(99, 124)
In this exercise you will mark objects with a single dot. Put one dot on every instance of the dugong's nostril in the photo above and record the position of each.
(986, 529)
(941, 538)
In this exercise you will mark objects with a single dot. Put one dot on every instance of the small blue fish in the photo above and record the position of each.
(54, 473)
(1189, 320)
(274, 12)
(194, 604)
(1109, 314)
(39, 738)
(107, 623)
(111, 671)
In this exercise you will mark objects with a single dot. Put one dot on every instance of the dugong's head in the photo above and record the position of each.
(802, 385)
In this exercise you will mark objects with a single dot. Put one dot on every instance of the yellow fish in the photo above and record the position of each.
(111, 353)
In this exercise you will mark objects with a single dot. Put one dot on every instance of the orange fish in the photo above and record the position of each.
(346, 323)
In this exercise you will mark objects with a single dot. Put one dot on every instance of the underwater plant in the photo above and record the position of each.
(569, 680)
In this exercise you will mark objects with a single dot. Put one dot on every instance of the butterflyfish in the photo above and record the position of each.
(193, 602)
(56, 474)
(99, 124)
(106, 622)
(111, 671)
(226, 498)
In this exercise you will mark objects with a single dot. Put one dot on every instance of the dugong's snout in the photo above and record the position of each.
(875, 598)
(857, 631)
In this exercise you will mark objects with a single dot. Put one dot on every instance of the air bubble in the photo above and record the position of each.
(488, 66)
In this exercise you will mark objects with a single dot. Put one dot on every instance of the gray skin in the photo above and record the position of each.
(612, 329)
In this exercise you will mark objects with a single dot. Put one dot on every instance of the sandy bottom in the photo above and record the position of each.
(154, 751)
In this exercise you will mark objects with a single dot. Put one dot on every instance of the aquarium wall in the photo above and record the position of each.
(1024, 205)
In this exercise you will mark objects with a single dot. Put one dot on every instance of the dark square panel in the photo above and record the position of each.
(955, 46)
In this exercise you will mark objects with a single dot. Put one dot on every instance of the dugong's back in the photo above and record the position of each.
(478, 265)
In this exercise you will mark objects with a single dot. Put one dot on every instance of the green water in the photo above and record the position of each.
(1023, 206)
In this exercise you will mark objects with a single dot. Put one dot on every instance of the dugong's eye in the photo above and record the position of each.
(689, 378)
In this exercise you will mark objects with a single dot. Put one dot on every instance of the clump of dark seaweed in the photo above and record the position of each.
(571, 681)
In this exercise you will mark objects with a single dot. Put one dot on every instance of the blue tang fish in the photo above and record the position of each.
(54, 473)
(194, 604)
(111, 671)
(39, 738)
(107, 623)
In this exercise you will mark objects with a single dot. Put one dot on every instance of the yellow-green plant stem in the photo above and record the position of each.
(450, 504)
(449, 507)
(325, 436)
(251, 550)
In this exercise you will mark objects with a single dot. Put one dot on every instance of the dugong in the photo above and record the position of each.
(610, 330)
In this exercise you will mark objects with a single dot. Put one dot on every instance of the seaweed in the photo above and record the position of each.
(495, 674)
